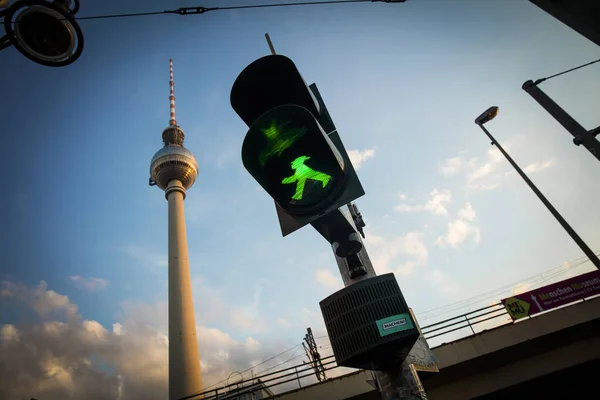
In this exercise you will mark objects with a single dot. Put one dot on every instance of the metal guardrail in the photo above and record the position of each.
(247, 388)
(253, 385)
(256, 384)
(467, 320)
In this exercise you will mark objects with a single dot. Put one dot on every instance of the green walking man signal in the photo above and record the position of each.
(304, 172)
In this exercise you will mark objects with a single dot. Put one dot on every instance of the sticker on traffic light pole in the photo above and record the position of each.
(290, 156)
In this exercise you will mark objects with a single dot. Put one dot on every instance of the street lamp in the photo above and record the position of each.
(487, 116)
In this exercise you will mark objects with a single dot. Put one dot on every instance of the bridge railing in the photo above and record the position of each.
(468, 320)
(246, 387)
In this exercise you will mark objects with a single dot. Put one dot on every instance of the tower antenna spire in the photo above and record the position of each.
(173, 134)
(172, 121)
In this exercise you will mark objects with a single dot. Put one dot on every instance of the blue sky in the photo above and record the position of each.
(403, 83)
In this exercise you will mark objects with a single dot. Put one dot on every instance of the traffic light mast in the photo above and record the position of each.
(399, 381)
(294, 152)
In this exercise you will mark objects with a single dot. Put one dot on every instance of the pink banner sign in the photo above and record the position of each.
(552, 296)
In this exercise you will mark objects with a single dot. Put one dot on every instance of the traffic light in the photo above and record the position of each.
(292, 148)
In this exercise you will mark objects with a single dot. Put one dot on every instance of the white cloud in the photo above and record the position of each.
(8, 332)
(480, 171)
(326, 278)
(438, 199)
(485, 186)
(452, 166)
(46, 303)
(399, 255)
(78, 358)
(213, 308)
(468, 212)
(443, 282)
(538, 166)
(494, 155)
(283, 322)
(248, 317)
(89, 284)
(489, 172)
(358, 157)
(460, 229)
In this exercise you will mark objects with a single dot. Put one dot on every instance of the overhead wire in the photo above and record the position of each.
(305, 3)
(269, 359)
(141, 14)
(566, 72)
(256, 365)
(533, 281)
(202, 10)
(296, 355)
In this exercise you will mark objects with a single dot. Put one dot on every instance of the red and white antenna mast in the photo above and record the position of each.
(172, 121)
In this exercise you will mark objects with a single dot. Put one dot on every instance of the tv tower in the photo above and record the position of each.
(174, 169)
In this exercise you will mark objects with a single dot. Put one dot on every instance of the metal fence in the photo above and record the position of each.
(249, 388)
(258, 383)
(467, 320)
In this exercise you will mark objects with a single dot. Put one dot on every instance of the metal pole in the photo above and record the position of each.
(401, 382)
(580, 134)
(270, 44)
(297, 377)
(584, 247)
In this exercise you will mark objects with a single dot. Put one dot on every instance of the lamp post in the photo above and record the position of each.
(487, 116)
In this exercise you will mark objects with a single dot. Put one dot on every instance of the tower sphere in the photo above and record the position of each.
(173, 162)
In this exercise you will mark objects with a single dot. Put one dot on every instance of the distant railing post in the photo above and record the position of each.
(297, 377)
(469, 323)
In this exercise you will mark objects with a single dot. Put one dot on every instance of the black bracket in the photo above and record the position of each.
(192, 10)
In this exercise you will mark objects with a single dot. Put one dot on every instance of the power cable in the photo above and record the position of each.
(565, 72)
(296, 355)
(202, 10)
(123, 15)
(535, 279)
(256, 365)
(571, 264)
(494, 294)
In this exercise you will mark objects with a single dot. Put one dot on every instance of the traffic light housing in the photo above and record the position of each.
(292, 148)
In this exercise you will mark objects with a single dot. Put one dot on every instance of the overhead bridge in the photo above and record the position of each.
(552, 355)
(534, 355)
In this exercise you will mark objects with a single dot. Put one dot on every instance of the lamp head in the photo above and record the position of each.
(487, 115)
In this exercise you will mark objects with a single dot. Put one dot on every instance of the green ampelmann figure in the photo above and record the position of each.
(301, 174)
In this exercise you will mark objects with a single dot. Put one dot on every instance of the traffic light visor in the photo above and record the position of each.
(269, 82)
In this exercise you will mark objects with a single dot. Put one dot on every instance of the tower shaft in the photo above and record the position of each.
(185, 377)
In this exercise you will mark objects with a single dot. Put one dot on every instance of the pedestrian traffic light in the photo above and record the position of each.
(290, 147)
(290, 156)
